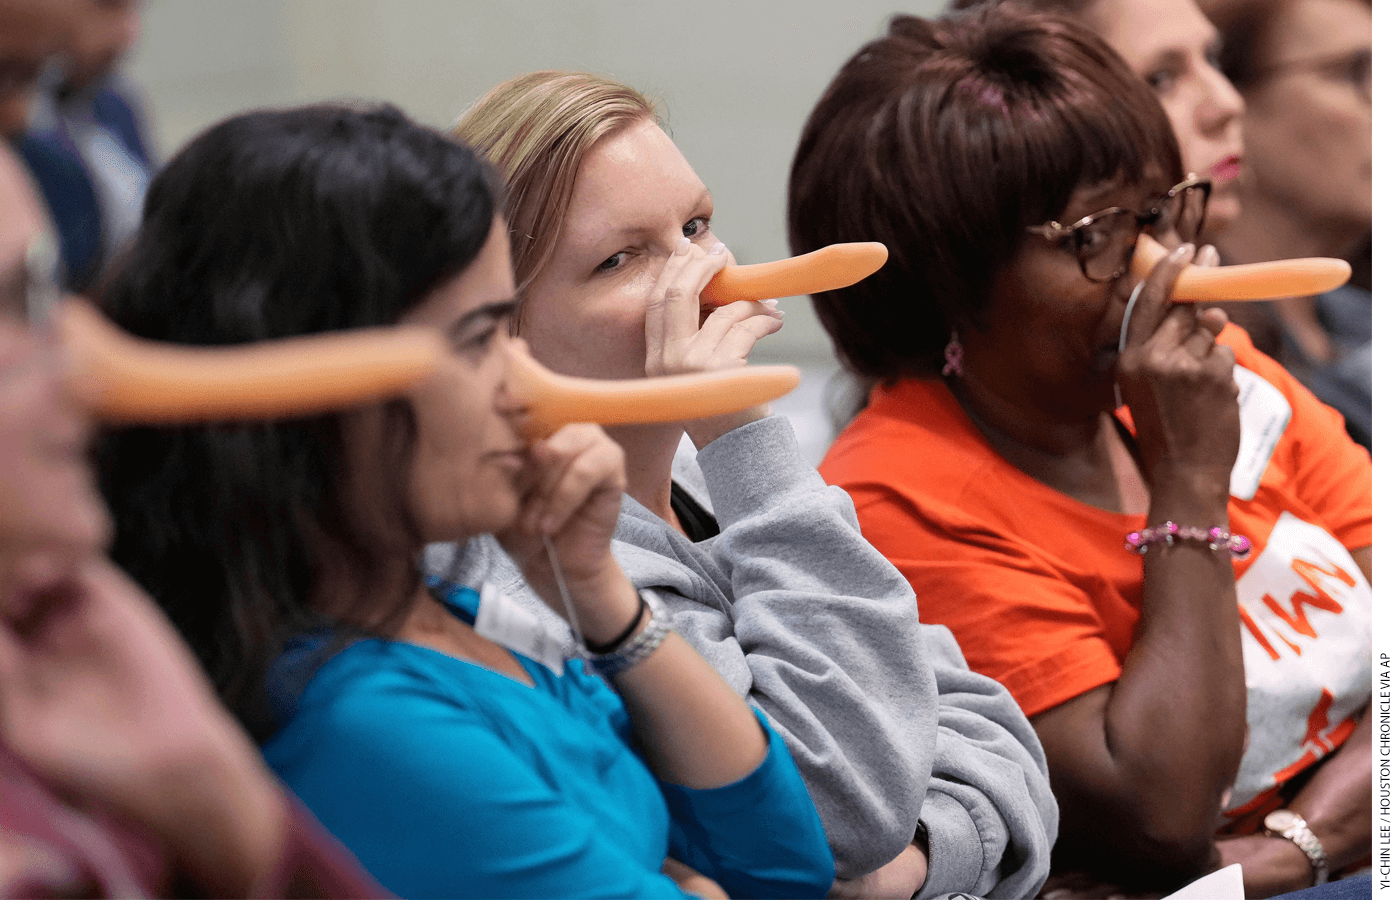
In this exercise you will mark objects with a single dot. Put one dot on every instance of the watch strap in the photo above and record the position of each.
(1300, 834)
(640, 645)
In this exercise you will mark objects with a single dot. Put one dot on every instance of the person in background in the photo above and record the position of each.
(927, 777)
(87, 141)
(1304, 69)
(121, 774)
(32, 32)
(288, 552)
(1172, 46)
(1148, 530)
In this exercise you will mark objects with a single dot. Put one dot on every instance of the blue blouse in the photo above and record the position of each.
(448, 779)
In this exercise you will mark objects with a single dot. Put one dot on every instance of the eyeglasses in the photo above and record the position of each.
(28, 287)
(1104, 241)
(42, 292)
(1352, 67)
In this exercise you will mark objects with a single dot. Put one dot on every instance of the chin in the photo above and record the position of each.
(79, 528)
(496, 517)
(1221, 216)
(86, 522)
(488, 512)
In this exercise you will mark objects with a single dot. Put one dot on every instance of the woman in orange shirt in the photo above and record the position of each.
(1029, 424)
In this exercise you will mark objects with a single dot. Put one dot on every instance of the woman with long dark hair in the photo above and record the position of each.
(287, 553)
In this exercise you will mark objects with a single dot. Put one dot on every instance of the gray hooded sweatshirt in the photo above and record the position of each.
(805, 619)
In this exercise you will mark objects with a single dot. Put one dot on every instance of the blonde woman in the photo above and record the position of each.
(926, 777)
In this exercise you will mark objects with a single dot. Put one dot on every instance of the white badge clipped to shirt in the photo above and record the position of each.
(1264, 414)
(501, 619)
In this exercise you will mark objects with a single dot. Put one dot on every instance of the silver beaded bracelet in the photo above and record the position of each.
(640, 645)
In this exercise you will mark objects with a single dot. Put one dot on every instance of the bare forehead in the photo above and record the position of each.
(1090, 198)
(1306, 27)
(634, 179)
(1143, 29)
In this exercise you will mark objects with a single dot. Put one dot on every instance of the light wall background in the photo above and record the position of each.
(735, 80)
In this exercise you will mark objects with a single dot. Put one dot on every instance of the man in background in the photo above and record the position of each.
(32, 32)
(85, 142)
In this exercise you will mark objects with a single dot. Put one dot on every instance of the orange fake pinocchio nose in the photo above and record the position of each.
(836, 266)
(123, 379)
(127, 380)
(552, 400)
(1254, 281)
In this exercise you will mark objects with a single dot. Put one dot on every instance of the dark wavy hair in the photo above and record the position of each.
(944, 139)
(272, 224)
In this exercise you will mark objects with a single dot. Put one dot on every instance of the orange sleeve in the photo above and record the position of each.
(1327, 470)
(1015, 617)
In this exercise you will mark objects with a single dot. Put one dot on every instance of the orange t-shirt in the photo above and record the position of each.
(1043, 596)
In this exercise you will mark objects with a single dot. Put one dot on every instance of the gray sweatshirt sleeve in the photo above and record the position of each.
(828, 631)
(880, 711)
(989, 813)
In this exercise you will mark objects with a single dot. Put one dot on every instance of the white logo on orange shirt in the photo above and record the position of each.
(1305, 619)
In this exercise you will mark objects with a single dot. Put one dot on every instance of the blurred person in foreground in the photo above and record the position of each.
(1174, 584)
(121, 774)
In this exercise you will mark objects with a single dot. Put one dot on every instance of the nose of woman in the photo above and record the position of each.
(1220, 104)
(511, 398)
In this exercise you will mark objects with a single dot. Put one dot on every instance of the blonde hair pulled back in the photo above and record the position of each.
(536, 129)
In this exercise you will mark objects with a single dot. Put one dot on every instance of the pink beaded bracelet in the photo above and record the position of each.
(1170, 532)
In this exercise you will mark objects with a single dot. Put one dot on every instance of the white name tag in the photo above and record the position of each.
(1264, 414)
(514, 627)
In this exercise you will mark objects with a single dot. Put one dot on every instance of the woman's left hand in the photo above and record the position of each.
(99, 696)
(1270, 865)
(574, 501)
(679, 342)
(1336, 804)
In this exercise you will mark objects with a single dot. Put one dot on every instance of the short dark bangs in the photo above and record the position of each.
(943, 140)
(1049, 110)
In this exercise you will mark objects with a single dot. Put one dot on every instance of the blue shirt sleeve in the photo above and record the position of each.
(447, 780)
(435, 804)
(758, 837)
